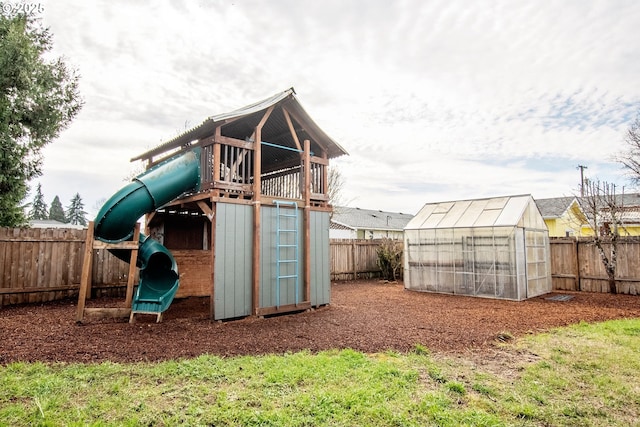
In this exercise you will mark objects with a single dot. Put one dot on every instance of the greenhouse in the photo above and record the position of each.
(494, 248)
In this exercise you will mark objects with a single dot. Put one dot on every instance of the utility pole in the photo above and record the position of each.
(582, 168)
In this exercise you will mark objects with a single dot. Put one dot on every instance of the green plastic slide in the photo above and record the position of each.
(115, 222)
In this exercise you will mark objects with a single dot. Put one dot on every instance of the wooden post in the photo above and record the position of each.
(325, 178)
(85, 278)
(212, 248)
(132, 267)
(257, 200)
(216, 159)
(307, 220)
(257, 182)
(576, 245)
(353, 256)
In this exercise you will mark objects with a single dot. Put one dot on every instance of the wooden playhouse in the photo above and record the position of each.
(255, 236)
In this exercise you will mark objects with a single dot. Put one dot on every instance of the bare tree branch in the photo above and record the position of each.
(605, 215)
(630, 159)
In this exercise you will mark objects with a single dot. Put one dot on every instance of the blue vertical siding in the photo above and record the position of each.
(320, 266)
(233, 246)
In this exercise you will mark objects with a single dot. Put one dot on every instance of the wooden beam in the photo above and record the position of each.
(257, 182)
(189, 199)
(237, 201)
(292, 129)
(132, 266)
(226, 185)
(121, 245)
(72, 287)
(234, 142)
(263, 120)
(212, 248)
(266, 311)
(216, 155)
(307, 219)
(320, 160)
(101, 313)
(204, 207)
(148, 220)
(85, 278)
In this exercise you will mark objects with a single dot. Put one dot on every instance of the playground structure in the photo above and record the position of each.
(237, 209)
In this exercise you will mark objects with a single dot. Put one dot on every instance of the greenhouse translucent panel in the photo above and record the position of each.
(532, 217)
(513, 211)
(497, 203)
(472, 213)
(445, 281)
(454, 214)
(418, 220)
(434, 220)
(443, 208)
(487, 218)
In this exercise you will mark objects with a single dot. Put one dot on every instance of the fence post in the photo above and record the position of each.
(576, 243)
(353, 256)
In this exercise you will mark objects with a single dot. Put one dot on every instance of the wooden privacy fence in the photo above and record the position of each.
(38, 265)
(576, 266)
(354, 259)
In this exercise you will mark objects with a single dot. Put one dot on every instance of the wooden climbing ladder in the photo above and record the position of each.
(85, 279)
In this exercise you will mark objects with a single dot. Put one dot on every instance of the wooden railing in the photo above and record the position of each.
(236, 166)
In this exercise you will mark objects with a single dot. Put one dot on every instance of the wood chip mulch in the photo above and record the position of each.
(368, 316)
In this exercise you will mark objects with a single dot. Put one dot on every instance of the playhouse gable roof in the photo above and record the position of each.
(240, 124)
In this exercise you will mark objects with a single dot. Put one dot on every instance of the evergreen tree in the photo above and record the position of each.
(56, 211)
(75, 211)
(38, 206)
(38, 98)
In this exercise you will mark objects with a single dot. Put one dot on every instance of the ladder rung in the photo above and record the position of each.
(287, 246)
(287, 260)
(288, 277)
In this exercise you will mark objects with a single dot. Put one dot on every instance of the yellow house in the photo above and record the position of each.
(564, 216)
(630, 218)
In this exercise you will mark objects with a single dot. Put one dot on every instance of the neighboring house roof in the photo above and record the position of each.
(335, 226)
(491, 212)
(554, 207)
(628, 200)
(276, 130)
(52, 223)
(356, 218)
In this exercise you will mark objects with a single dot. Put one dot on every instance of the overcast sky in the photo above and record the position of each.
(433, 100)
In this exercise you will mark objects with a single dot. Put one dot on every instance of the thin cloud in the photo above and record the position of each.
(441, 99)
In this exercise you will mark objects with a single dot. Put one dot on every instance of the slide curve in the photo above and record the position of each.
(115, 222)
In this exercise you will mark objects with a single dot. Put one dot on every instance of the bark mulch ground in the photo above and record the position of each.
(365, 316)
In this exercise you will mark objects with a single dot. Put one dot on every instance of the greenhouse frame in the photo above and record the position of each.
(494, 248)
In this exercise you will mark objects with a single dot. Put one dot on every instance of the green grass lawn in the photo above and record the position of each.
(584, 375)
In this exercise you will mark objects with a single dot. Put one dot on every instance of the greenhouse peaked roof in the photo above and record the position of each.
(494, 212)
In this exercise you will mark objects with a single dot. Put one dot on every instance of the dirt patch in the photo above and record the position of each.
(365, 316)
